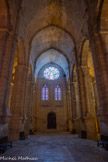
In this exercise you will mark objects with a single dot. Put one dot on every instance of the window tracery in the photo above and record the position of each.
(58, 93)
(45, 92)
(51, 73)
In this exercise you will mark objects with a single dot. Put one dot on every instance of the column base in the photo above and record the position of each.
(34, 127)
(16, 125)
(77, 125)
(70, 126)
(91, 131)
(27, 126)
(82, 133)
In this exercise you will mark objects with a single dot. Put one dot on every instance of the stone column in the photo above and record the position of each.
(28, 107)
(6, 62)
(90, 116)
(96, 106)
(100, 60)
(76, 107)
(34, 128)
(75, 84)
(83, 102)
(95, 96)
(69, 111)
(73, 105)
(87, 89)
(16, 123)
(82, 92)
(3, 40)
(73, 101)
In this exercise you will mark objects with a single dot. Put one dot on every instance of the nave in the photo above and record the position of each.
(54, 79)
(56, 148)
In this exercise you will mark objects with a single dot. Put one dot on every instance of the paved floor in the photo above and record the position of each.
(55, 148)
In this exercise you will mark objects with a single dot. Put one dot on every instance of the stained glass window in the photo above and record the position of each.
(57, 92)
(51, 73)
(45, 92)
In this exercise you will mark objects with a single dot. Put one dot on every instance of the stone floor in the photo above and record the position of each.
(55, 148)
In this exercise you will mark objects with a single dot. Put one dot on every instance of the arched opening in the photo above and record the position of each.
(51, 96)
(51, 120)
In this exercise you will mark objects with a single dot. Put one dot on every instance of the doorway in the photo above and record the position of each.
(51, 120)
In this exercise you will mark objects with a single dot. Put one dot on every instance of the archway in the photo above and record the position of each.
(51, 96)
(51, 120)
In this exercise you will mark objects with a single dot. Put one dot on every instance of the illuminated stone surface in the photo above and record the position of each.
(58, 148)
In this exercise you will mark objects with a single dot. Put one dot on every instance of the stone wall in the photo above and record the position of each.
(45, 107)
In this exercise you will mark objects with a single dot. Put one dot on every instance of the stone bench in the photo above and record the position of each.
(103, 141)
(4, 143)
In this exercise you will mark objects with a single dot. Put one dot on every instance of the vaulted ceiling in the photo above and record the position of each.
(52, 25)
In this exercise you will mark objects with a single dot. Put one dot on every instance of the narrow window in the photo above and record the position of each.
(45, 92)
(58, 92)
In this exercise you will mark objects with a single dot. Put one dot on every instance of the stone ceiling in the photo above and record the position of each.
(52, 37)
(67, 14)
(52, 24)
